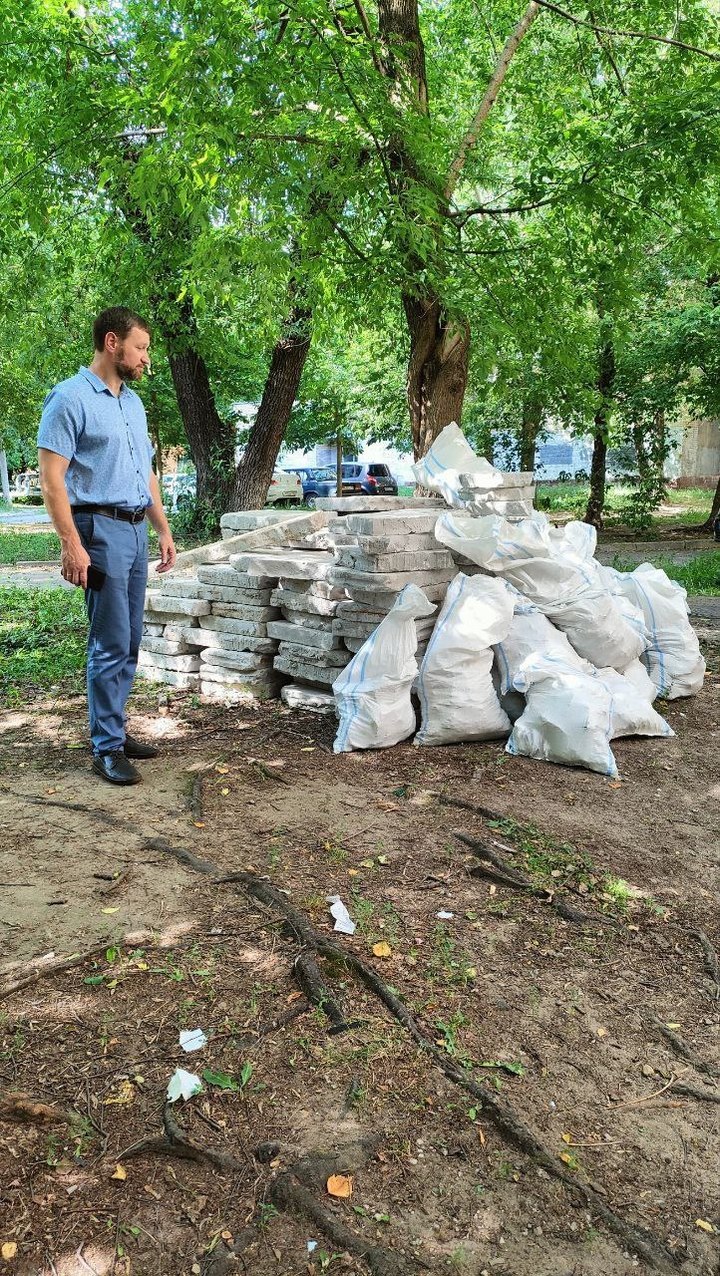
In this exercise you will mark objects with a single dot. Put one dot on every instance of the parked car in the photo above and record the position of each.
(359, 478)
(371, 479)
(285, 486)
(316, 481)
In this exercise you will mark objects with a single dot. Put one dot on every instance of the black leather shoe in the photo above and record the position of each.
(115, 768)
(136, 749)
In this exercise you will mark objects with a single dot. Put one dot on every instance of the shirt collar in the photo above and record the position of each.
(97, 382)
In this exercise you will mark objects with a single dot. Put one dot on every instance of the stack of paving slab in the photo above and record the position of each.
(214, 637)
(308, 651)
(377, 554)
(514, 499)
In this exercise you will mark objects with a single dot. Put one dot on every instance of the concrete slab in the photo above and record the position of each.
(227, 594)
(362, 504)
(249, 520)
(400, 522)
(285, 531)
(231, 625)
(314, 655)
(176, 606)
(289, 601)
(297, 697)
(178, 664)
(172, 586)
(175, 631)
(230, 642)
(422, 560)
(163, 646)
(182, 681)
(373, 545)
(297, 564)
(224, 574)
(324, 639)
(387, 582)
(315, 674)
(151, 630)
(306, 620)
(242, 612)
(242, 661)
(315, 588)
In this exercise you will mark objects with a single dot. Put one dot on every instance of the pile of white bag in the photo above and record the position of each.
(545, 645)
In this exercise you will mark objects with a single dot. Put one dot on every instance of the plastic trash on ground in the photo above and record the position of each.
(632, 712)
(192, 1039)
(373, 691)
(567, 718)
(343, 921)
(457, 696)
(182, 1085)
(672, 656)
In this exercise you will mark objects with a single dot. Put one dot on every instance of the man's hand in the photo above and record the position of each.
(74, 563)
(168, 553)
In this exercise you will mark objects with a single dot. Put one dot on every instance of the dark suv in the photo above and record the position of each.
(316, 481)
(371, 479)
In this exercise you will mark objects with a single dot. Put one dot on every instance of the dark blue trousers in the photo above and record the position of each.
(115, 613)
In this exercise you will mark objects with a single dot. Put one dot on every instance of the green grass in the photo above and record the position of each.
(692, 504)
(43, 633)
(700, 576)
(35, 547)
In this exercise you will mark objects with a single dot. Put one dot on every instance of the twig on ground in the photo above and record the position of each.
(631, 1103)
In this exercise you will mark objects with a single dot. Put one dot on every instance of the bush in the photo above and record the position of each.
(29, 498)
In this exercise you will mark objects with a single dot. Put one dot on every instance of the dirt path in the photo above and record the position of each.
(565, 1022)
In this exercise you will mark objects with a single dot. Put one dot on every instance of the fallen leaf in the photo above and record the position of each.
(199, 824)
(222, 769)
(309, 749)
(602, 1032)
(615, 784)
(120, 1173)
(353, 872)
(566, 1138)
(674, 1026)
(224, 792)
(382, 949)
(383, 859)
(110, 910)
(481, 1136)
(703, 1224)
(9, 1250)
(568, 1159)
(340, 1185)
(125, 1094)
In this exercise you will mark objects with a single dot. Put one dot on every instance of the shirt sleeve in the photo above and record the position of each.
(59, 425)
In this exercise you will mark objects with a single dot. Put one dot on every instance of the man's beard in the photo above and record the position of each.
(126, 373)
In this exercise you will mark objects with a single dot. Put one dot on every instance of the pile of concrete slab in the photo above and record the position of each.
(376, 555)
(513, 499)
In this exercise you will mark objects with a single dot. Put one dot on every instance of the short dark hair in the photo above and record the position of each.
(117, 319)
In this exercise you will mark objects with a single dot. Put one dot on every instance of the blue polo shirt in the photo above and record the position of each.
(104, 436)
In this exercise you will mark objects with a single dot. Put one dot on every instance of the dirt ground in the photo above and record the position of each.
(527, 1087)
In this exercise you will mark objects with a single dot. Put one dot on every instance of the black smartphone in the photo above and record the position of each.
(95, 578)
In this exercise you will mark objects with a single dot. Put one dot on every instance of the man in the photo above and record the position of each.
(99, 487)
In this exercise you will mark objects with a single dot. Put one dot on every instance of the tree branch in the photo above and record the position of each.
(496, 80)
(627, 35)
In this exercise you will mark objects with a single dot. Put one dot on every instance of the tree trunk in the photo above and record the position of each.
(606, 377)
(437, 370)
(338, 459)
(707, 526)
(529, 430)
(210, 439)
(268, 429)
(4, 480)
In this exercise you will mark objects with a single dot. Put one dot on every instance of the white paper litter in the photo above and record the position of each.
(182, 1085)
(311, 1247)
(192, 1039)
(343, 921)
(446, 917)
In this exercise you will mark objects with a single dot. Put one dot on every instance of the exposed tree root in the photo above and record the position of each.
(470, 806)
(23, 1109)
(287, 1193)
(177, 1142)
(307, 973)
(47, 968)
(694, 1092)
(508, 875)
(508, 1124)
(682, 1051)
(710, 960)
